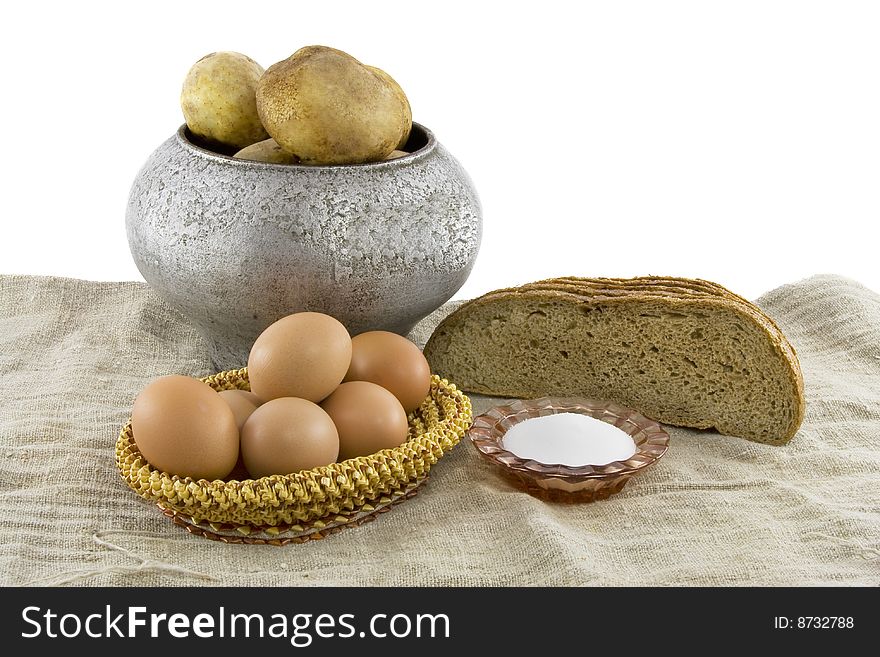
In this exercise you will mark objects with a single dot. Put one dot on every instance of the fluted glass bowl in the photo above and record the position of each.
(565, 483)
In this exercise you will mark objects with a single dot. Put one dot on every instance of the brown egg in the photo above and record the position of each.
(242, 403)
(239, 472)
(183, 427)
(392, 362)
(286, 435)
(303, 355)
(367, 417)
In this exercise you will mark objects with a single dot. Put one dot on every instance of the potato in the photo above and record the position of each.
(219, 100)
(324, 106)
(407, 121)
(393, 155)
(267, 151)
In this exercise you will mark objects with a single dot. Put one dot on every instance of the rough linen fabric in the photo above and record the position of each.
(716, 510)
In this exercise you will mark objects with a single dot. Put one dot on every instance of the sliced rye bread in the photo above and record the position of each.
(683, 352)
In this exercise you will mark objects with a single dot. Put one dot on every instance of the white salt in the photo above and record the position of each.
(569, 439)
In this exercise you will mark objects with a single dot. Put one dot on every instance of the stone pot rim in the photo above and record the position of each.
(430, 145)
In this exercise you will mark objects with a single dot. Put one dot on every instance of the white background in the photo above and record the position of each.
(733, 141)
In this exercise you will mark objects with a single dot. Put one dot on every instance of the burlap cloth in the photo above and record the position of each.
(715, 510)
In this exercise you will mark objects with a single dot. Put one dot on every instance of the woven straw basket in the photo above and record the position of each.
(309, 497)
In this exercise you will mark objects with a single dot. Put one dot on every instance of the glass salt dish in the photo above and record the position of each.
(565, 483)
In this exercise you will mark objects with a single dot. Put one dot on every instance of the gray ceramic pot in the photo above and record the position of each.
(234, 245)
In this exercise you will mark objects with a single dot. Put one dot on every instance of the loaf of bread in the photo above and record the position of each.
(681, 351)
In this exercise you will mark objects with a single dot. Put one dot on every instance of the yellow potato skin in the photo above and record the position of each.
(267, 150)
(325, 107)
(406, 126)
(218, 100)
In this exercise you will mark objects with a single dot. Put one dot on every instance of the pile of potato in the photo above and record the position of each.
(318, 106)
